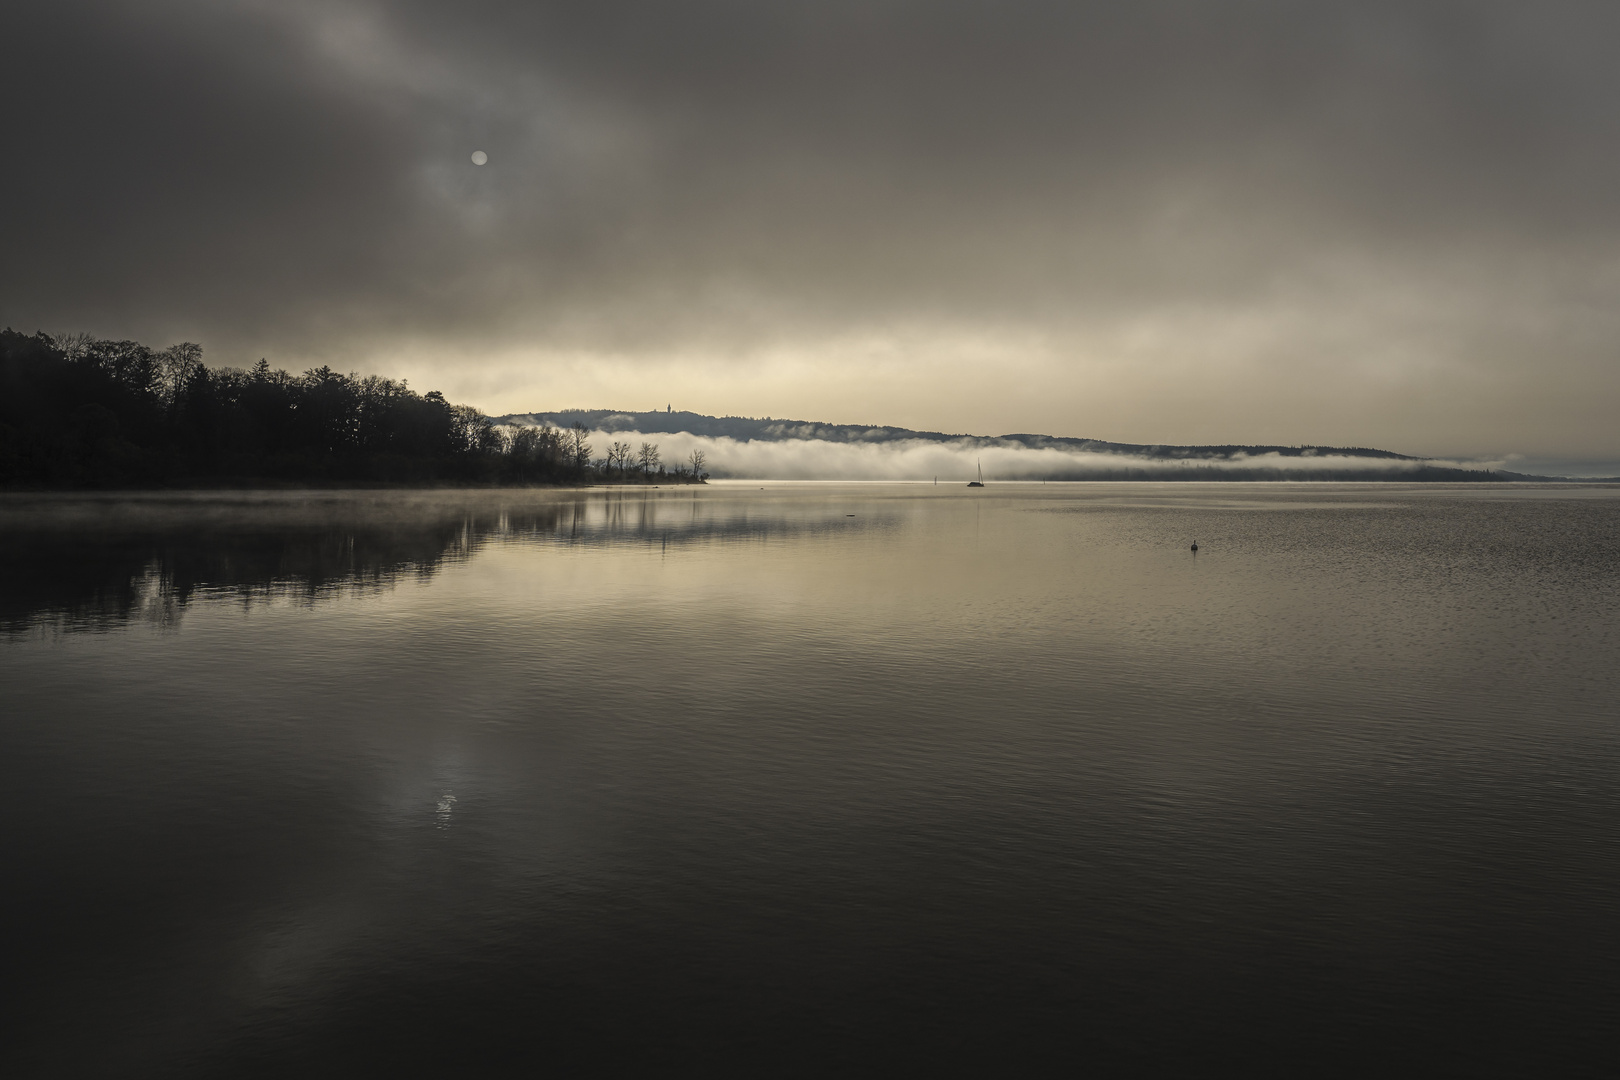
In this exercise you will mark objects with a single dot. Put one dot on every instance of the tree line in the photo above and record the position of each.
(76, 411)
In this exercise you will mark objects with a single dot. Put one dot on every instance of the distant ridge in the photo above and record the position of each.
(771, 429)
(1229, 459)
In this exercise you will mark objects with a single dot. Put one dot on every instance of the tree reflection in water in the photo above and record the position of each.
(96, 563)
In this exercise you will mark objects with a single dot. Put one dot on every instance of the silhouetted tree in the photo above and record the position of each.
(578, 449)
(647, 457)
(177, 367)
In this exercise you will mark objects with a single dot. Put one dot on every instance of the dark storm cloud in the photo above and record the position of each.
(1396, 192)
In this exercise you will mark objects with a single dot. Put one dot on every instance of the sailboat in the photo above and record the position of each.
(980, 481)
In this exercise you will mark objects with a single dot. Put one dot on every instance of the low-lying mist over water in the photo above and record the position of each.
(743, 447)
(922, 459)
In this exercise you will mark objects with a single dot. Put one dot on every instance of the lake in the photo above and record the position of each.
(794, 778)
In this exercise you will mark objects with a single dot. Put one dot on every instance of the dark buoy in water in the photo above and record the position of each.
(1195, 547)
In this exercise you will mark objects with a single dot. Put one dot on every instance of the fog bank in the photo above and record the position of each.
(960, 460)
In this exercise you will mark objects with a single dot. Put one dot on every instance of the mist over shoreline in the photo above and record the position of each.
(771, 449)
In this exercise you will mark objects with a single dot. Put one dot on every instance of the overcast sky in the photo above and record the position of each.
(1391, 224)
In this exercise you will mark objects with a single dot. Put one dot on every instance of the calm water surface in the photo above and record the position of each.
(812, 777)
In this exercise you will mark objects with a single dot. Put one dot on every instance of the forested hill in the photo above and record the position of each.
(76, 412)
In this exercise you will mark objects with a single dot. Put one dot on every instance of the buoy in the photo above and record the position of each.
(1195, 547)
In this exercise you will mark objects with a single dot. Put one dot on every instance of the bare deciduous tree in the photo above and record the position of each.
(74, 345)
(579, 450)
(647, 458)
(698, 460)
(175, 366)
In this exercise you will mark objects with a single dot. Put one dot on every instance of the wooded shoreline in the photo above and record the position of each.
(78, 413)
